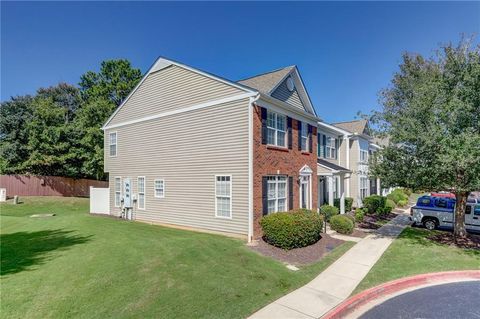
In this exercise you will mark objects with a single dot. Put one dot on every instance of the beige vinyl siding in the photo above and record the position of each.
(187, 150)
(283, 93)
(169, 89)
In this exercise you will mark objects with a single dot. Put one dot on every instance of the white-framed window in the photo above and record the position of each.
(159, 188)
(363, 156)
(276, 194)
(304, 137)
(223, 196)
(276, 129)
(118, 191)
(141, 192)
(330, 147)
(113, 143)
(363, 187)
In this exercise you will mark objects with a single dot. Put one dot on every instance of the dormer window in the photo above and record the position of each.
(276, 129)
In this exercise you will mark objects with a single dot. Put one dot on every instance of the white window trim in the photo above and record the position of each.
(306, 137)
(116, 144)
(360, 156)
(276, 130)
(329, 148)
(309, 189)
(231, 196)
(154, 187)
(366, 188)
(276, 181)
(144, 193)
(115, 191)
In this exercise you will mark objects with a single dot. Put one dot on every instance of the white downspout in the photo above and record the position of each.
(347, 162)
(252, 100)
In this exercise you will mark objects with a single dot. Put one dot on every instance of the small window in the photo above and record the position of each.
(363, 156)
(113, 144)
(330, 148)
(425, 202)
(159, 188)
(304, 137)
(363, 187)
(223, 196)
(141, 193)
(276, 194)
(276, 129)
(468, 210)
(476, 210)
(441, 203)
(118, 191)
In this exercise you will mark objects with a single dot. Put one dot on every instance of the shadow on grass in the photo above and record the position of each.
(21, 250)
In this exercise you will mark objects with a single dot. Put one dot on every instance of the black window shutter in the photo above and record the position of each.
(290, 192)
(264, 195)
(320, 145)
(289, 132)
(324, 146)
(336, 147)
(264, 125)
(310, 135)
(299, 135)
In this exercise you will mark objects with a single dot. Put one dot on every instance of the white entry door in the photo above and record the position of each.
(305, 192)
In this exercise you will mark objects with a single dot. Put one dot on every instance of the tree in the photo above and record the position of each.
(114, 82)
(431, 113)
(14, 115)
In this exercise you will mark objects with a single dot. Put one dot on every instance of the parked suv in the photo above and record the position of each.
(434, 212)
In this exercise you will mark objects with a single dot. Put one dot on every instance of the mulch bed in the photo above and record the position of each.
(373, 221)
(299, 256)
(358, 233)
(471, 242)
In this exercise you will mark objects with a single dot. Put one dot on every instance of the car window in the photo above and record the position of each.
(442, 203)
(476, 210)
(425, 202)
(468, 210)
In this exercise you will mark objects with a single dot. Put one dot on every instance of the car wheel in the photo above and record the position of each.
(430, 224)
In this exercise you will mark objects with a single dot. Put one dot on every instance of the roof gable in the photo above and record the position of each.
(274, 84)
(357, 126)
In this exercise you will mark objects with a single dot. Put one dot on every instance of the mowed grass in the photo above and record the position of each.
(413, 253)
(83, 266)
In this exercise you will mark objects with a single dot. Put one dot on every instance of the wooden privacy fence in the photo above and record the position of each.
(24, 185)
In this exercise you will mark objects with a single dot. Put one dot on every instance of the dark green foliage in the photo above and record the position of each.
(292, 229)
(58, 131)
(341, 224)
(351, 217)
(402, 203)
(384, 210)
(348, 203)
(359, 215)
(374, 202)
(397, 195)
(328, 211)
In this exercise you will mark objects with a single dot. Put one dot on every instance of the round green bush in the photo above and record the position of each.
(390, 203)
(341, 224)
(384, 211)
(359, 215)
(293, 229)
(351, 217)
(397, 195)
(328, 211)
(374, 202)
(402, 203)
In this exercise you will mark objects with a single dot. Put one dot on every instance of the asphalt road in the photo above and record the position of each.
(448, 301)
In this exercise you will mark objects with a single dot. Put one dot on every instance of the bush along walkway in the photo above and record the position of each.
(339, 280)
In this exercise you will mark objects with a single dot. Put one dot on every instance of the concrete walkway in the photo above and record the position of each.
(339, 280)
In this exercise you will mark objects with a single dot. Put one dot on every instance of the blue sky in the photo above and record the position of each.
(346, 51)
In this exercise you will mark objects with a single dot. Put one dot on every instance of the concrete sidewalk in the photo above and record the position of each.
(339, 280)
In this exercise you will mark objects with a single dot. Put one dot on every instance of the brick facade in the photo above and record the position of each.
(268, 160)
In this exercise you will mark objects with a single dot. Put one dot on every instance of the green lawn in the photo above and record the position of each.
(77, 265)
(412, 253)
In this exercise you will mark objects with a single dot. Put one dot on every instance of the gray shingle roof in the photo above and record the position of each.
(332, 166)
(267, 81)
(357, 126)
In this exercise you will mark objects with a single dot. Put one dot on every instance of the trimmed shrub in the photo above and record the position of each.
(359, 215)
(292, 229)
(390, 203)
(374, 202)
(384, 210)
(402, 203)
(328, 211)
(352, 218)
(407, 191)
(348, 203)
(341, 224)
(397, 195)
